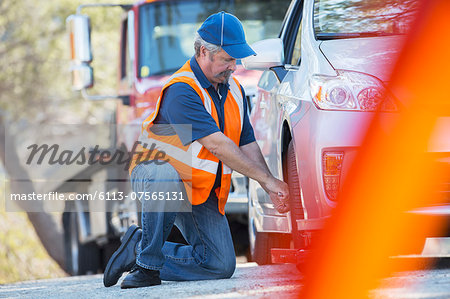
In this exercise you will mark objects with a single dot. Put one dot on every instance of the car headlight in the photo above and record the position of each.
(351, 90)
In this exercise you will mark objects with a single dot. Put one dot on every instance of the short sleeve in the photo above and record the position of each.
(182, 105)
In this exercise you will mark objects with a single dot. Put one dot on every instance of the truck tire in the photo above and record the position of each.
(81, 259)
(264, 242)
(294, 195)
(261, 243)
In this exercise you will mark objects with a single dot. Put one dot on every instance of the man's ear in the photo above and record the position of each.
(203, 51)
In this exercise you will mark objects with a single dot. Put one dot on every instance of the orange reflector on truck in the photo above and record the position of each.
(72, 46)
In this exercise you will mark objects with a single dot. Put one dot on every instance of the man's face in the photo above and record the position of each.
(223, 65)
(219, 67)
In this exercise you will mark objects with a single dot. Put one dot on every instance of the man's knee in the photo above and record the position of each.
(150, 170)
(161, 172)
(229, 268)
(166, 171)
(223, 267)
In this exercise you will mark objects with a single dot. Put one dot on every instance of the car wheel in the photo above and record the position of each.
(80, 258)
(294, 195)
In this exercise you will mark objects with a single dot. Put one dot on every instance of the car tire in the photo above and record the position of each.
(80, 259)
(294, 195)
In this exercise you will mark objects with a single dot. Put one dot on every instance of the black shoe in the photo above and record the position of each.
(140, 277)
(124, 258)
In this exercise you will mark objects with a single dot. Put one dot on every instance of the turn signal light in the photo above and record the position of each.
(331, 170)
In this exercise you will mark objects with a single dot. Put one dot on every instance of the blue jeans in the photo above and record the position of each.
(210, 253)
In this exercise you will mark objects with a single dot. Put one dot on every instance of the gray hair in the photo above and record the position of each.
(199, 42)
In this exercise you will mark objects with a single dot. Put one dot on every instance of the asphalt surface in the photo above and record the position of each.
(249, 280)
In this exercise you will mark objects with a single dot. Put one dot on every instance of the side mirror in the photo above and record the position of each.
(82, 76)
(79, 30)
(269, 53)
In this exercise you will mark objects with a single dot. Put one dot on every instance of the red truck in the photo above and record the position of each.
(156, 39)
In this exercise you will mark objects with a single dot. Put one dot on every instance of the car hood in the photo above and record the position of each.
(375, 55)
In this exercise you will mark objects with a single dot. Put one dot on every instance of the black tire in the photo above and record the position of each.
(238, 224)
(81, 259)
(260, 243)
(264, 242)
(294, 195)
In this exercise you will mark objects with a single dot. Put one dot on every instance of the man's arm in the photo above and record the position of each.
(253, 152)
(230, 154)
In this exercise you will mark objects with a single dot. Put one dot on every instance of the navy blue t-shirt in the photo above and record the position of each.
(181, 104)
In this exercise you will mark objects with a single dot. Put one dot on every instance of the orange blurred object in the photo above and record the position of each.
(391, 175)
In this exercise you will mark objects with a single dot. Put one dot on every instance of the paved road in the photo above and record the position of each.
(249, 280)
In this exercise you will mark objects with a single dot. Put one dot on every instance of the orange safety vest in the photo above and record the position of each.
(196, 165)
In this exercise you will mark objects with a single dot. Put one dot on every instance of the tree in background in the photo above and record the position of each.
(35, 84)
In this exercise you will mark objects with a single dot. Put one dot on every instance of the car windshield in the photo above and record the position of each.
(362, 18)
(167, 28)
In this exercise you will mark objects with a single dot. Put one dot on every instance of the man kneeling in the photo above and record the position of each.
(203, 95)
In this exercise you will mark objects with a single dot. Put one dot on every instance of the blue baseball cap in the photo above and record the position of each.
(225, 30)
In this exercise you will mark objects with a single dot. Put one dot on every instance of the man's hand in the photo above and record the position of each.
(249, 161)
(279, 194)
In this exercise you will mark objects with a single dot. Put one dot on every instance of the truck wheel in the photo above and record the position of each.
(124, 214)
(260, 251)
(261, 243)
(264, 242)
(81, 259)
(294, 195)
